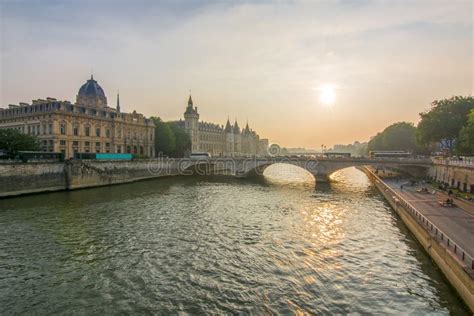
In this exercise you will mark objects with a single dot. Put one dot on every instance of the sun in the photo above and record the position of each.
(327, 94)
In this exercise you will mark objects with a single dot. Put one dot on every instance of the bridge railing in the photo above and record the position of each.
(464, 162)
(423, 160)
(439, 235)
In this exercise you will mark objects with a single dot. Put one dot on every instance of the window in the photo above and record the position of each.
(63, 128)
(97, 132)
(97, 144)
(107, 133)
(107, 144)
(62, 142)
(87, 143)
(87, 131)
(50, 128)
(75, 143)
(76, 131)
(119, 149)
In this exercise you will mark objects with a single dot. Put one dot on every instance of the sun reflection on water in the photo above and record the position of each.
(321, 224)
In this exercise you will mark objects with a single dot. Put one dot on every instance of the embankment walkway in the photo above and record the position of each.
(446, 233)
(455, 222)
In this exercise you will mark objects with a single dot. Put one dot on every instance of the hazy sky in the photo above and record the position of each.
(265, 61)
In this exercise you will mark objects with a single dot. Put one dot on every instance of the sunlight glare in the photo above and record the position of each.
(327, 94)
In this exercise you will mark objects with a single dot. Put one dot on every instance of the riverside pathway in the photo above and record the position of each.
(455, 222)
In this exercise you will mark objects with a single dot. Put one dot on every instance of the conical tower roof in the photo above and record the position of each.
(228, 127)
(247, 129)
(236, 128)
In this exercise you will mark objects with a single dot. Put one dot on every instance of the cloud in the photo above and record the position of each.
(242, 58)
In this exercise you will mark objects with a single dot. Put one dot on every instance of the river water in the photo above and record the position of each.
(216, 245)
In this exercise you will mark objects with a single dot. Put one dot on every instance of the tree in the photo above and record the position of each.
(398, 136)
(165, 142)
(182, 140)
(355, 149)
(376, 143)
(465, 144)
(444, 121)
(13, 141)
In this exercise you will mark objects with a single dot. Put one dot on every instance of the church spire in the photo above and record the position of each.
(118, 102)
(190, 101)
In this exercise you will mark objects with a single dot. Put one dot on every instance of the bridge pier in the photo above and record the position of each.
(321, 177)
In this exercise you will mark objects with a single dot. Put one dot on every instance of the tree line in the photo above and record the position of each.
(12, 141)
(449, 122)
(171, 140)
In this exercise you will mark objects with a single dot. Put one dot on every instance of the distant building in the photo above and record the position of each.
(219, 140)
(89, 125)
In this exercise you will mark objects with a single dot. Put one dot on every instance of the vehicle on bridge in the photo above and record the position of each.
(199, 155)
(336, 154)
(389, 154)
(39, 156)
(102, 156)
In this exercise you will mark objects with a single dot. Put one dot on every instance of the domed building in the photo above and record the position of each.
(91, 94)
(87, 126)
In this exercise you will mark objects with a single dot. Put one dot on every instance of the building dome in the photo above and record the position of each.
(91, 93)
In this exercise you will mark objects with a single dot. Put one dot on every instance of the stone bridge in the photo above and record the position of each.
(321, 168)
(18, 178)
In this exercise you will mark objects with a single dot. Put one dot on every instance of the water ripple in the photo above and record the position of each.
(216, 246)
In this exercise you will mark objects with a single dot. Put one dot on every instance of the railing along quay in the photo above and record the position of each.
(441, 237)
(464, 162)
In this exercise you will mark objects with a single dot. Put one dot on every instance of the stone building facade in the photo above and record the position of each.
(89, 125)
(456, 176)
(219, 140)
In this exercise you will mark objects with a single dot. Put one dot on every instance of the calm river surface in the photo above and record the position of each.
(216, 245)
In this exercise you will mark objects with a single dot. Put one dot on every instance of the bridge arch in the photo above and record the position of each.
(321, 169)
(258, 167)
